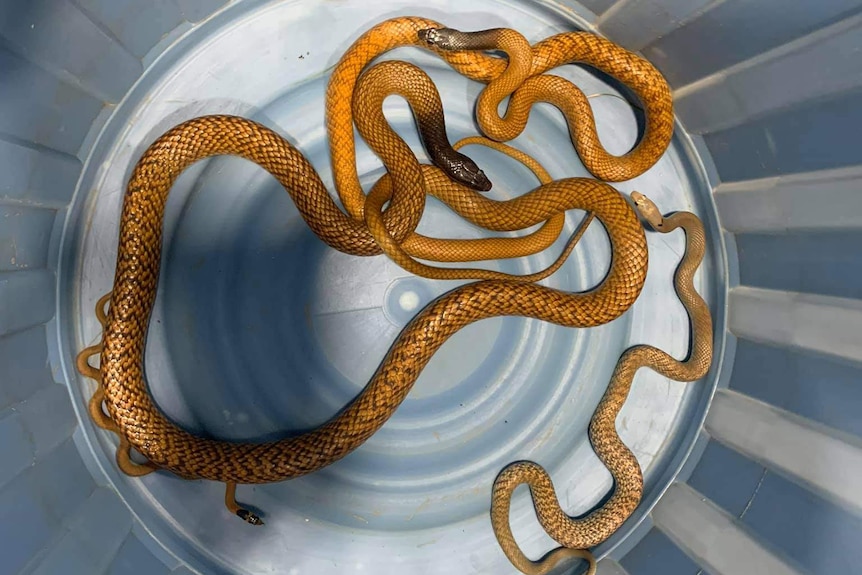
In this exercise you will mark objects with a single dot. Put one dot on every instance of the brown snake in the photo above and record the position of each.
(122, 402)
(576, 535)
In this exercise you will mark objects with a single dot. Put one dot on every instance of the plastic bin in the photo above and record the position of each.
(259, 329)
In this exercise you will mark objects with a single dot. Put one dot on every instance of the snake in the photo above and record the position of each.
(364, 228)
(576, 535)
(169, 447)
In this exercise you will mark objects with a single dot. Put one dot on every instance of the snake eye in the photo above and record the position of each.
(469, 167)
(429, 36)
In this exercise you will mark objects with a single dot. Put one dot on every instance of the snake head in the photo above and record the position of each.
(648, 210)
(465, 171)
(442, 38)
(249, 517)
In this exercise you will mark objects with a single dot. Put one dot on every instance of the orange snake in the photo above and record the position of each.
(122, 403)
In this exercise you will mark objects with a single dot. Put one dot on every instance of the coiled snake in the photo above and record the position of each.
(122, 403)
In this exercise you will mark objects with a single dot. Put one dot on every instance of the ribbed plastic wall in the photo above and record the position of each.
(771, 91)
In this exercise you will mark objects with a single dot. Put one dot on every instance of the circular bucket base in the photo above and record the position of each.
(260, 330)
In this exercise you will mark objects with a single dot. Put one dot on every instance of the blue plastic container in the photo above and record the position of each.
(260, 329)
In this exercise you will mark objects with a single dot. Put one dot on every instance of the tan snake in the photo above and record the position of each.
(576, 535)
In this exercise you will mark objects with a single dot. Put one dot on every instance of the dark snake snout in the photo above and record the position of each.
(463, 170)
(443, 38)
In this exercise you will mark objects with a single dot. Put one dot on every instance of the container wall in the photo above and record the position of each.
(771, 91)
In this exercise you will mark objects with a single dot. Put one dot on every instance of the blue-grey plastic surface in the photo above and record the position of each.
(260, 330)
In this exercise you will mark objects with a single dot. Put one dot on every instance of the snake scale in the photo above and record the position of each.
(384, 221)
